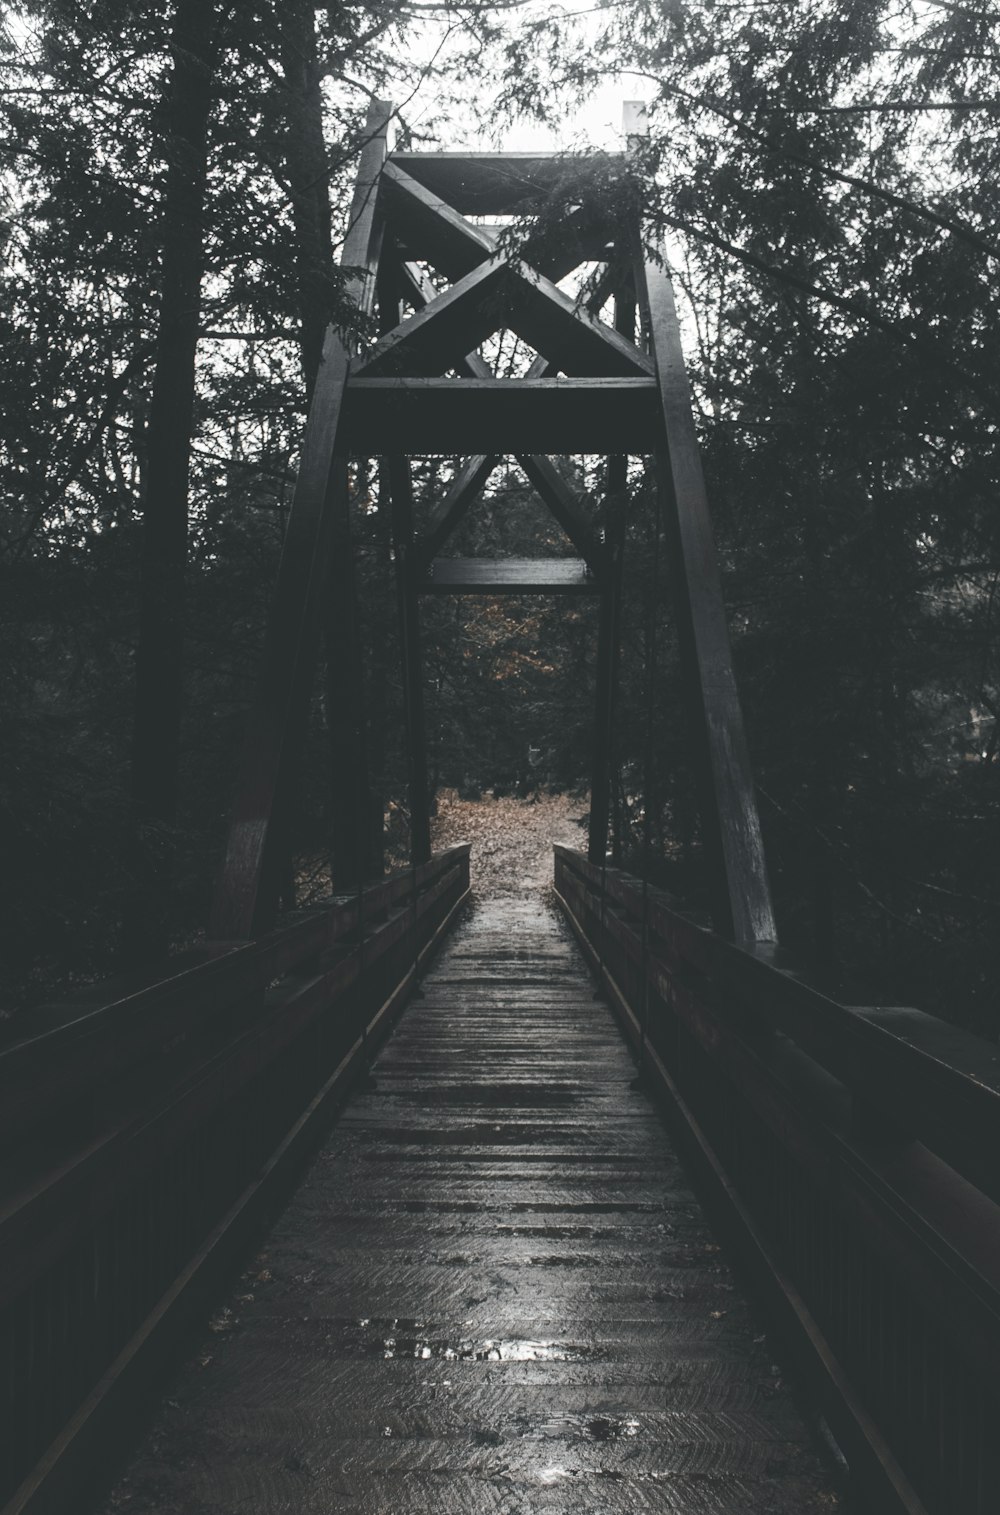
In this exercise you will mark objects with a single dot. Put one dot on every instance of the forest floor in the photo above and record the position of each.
(511, 839)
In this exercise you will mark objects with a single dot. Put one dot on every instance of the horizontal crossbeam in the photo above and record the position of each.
(455, 417)
(496, 184)
(509, 576)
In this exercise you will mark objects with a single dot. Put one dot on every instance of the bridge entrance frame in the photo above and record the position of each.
(424, 388)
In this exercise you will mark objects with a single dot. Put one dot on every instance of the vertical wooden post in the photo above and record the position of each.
(245, 899)
(607, 658)
(350, 796)
(610, 620)
(730, 823)
(401, 490)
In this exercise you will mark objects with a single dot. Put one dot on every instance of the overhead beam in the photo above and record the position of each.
(730, 822)
(548, 482)
(508, 576)
(453, 417)
(428, 228)
(246, 894)
(496, 184)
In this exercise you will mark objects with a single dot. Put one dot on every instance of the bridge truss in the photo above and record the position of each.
(424, 388)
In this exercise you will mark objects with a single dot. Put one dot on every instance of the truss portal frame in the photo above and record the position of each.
(423, 387)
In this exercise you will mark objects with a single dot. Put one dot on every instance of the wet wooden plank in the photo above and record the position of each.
(494, 1291)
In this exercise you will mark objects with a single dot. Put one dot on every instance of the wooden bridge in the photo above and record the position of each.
(739, 1252)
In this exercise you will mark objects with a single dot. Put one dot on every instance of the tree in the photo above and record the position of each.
(159, 658)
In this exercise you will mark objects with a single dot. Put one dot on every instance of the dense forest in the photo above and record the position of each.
(826, 176)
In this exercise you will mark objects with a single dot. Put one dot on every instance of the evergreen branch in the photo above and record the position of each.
(890, 197)
(843, 303)
(134, 366)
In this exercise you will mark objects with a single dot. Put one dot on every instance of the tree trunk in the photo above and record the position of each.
(306, 165)
(156, 733)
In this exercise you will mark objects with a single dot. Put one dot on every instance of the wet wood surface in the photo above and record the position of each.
(493, 1292)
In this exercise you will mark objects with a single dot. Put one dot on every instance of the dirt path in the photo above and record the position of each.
(511, 839)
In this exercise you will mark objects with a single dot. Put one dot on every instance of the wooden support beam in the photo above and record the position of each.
(730, 821)
(466, 489)
(546, 478)
(438, 336)
(570, 337)
(453, 417)
(607, 660)
(419, 290)
(562, 502)
(496, 295)
(472, 477)
(350, 795)
(401, 491)
(492, 184)
(245, 897)
(609, 627)
(509, 576)
(426, 227)
(415, 285)
(584, 236)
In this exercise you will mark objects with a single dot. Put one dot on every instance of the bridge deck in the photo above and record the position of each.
(494, 1291)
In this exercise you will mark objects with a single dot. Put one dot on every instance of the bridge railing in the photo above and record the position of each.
(852, 1156)
(148, 1136)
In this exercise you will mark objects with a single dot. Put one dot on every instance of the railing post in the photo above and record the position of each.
(401, 491)
(609, 625)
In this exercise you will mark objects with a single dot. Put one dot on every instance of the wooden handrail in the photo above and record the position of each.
(933, 1079)
(139, 1127)
(851, 1155)
(41, 1073)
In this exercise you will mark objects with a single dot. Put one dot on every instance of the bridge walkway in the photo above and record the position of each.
(493, 1292)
